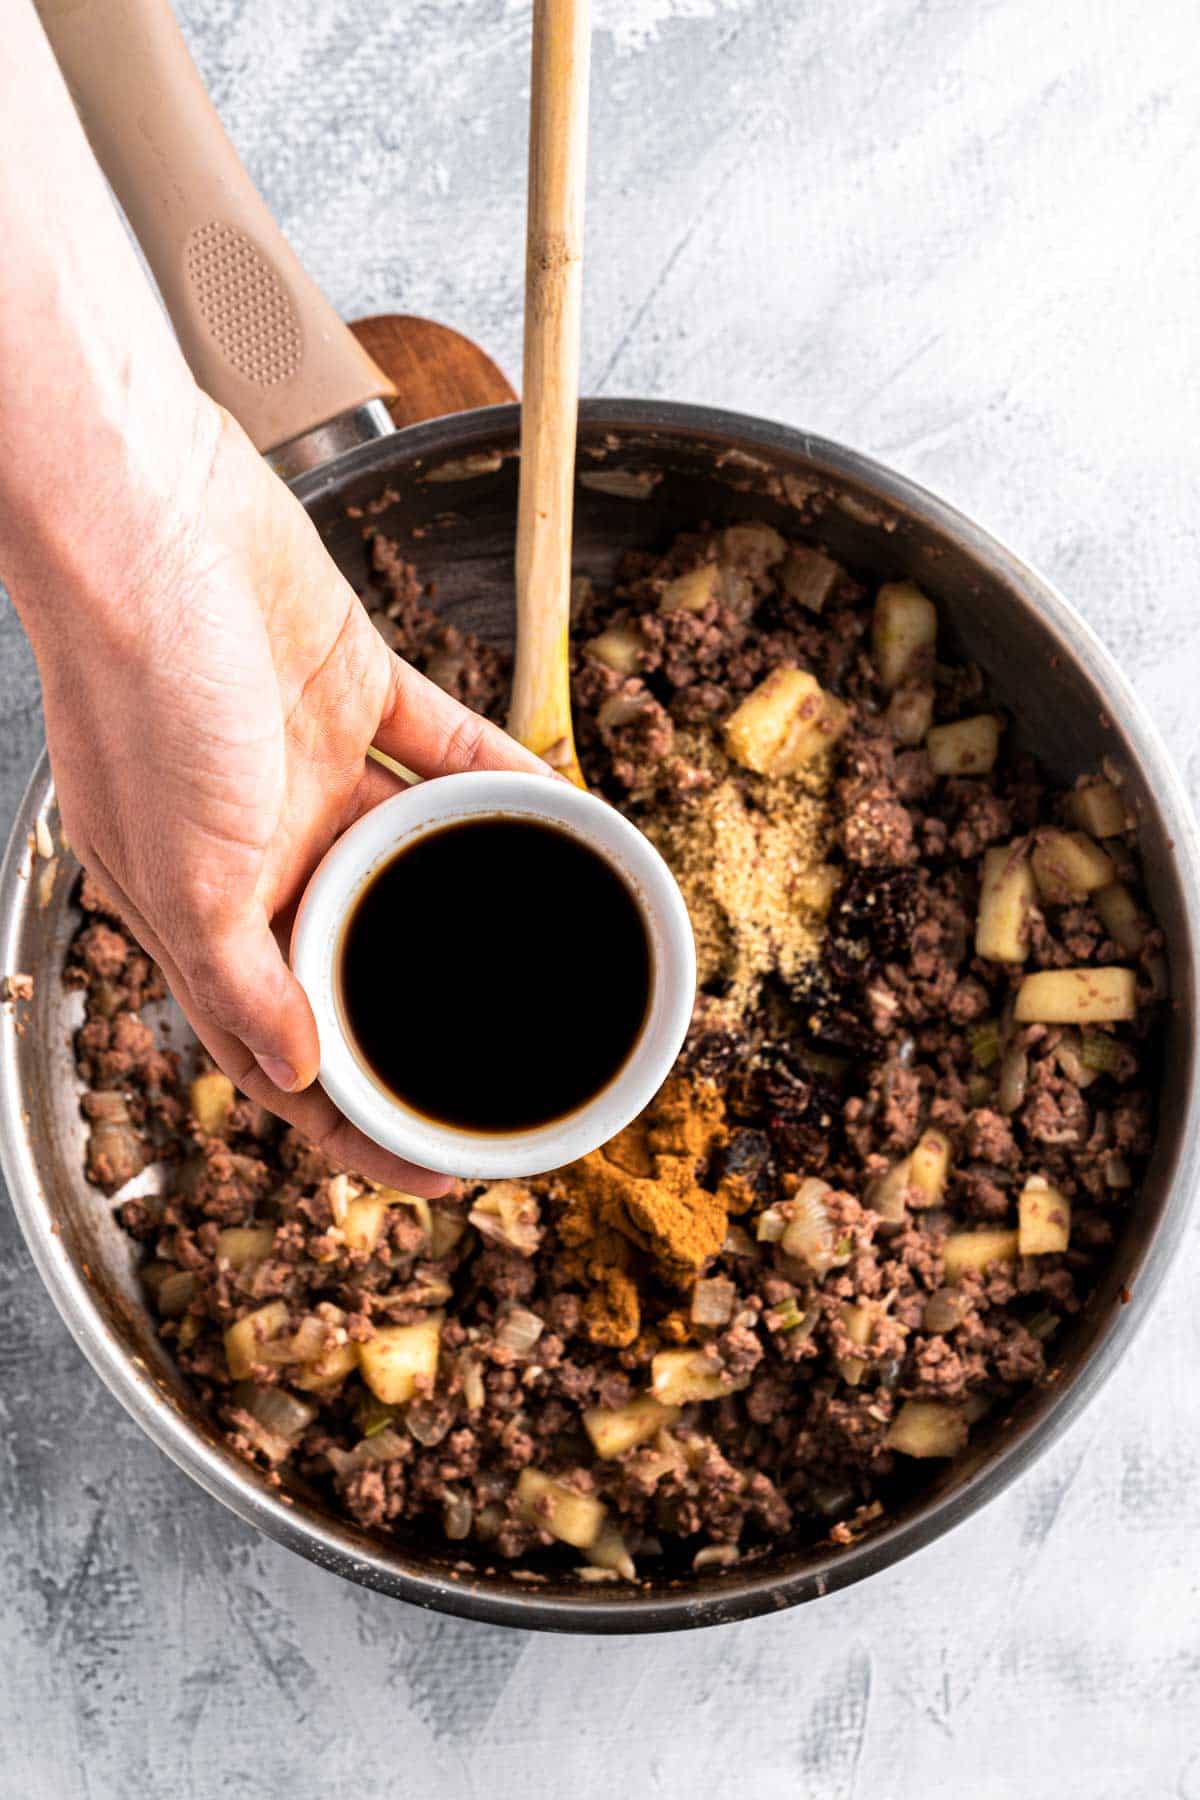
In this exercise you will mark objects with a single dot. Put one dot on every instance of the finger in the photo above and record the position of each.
(433, 734)
(312, 1112)
(236, 976)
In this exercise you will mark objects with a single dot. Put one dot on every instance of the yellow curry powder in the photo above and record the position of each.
(636, 1203)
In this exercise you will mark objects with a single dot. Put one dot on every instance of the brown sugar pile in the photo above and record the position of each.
(636, 1205)
(748, 854)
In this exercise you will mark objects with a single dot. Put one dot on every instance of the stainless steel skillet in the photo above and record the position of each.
(646, 469)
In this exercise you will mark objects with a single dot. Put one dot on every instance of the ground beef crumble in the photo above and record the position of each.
(900, 1037)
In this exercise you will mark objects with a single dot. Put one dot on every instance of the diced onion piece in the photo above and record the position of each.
(859, 1322)
(246, 1340)
(809, 1234)
(886, 1194)
(943, 1311)
(754, 545)
(929, 1166)
(808, 577)
(211, 1097)
(1076, 996)
(176, 1291)
(616, 1429)
(275, 1408)
(383, 1446)
(473, 1390)
(507, 1213)
(457, 1515)
(910, 713)
(1120, 916)
(1098, 809)
(398, 1356)
(619, 648)
(519, 1330)
(784, 723)
(716, 1556)
(903, 633)
(339, 1193)
(1044, 1219)
(446, 1229)
(1006, 898)
(677, 1377)
(1098, 1055)
(244, 1244)
(771, 1225)
(1013, 1084)
(964, 1250)
(610, 1551)
(968, 747)
(692, 591)
(712, 1301)
(1117, 1173)
(328, 1371)
(575, 1519)
(924, 1428)
(1068, 866)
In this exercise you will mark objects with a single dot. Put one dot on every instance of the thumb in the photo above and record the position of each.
(237, 980)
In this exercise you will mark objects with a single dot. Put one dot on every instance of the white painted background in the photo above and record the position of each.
(961, 235)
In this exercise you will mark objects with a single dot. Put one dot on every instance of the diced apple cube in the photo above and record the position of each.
(925, 1428)
(1007, 895)
(616, 1429)
(904, 633)
(968, 747)
(910, 713)
(785, 722)
(618, 648)
(397, 1356)
(1076, 996)
(211, 1097)
(1068, 866)
(677, 1377)
(964, 1250)
(244, 1341)
(692, 591)
(575, 1519)
(808, 577)
(1098, 809)
(1044, 1219)
(929, 1165)
(1121, 916)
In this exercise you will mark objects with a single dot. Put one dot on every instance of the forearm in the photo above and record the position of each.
(97, 409)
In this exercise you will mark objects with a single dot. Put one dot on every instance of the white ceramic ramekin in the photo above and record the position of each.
(341, 877)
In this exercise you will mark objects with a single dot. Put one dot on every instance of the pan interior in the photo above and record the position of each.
(645, 472)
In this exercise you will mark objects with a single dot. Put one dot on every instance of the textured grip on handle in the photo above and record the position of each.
(259, 335)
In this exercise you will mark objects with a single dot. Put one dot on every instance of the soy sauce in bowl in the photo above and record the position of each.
(495, 975)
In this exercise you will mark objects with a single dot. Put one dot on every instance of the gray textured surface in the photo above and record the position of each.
(960, 235)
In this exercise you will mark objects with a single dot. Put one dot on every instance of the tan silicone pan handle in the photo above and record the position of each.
(259, 335)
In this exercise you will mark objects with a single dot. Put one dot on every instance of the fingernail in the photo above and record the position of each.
(276, 1070)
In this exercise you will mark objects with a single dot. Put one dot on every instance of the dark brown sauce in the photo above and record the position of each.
(495, 975)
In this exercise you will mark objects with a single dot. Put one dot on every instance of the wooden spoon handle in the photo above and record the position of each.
(541, 701)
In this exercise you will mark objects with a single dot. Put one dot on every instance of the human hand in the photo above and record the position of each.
(211, 686)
